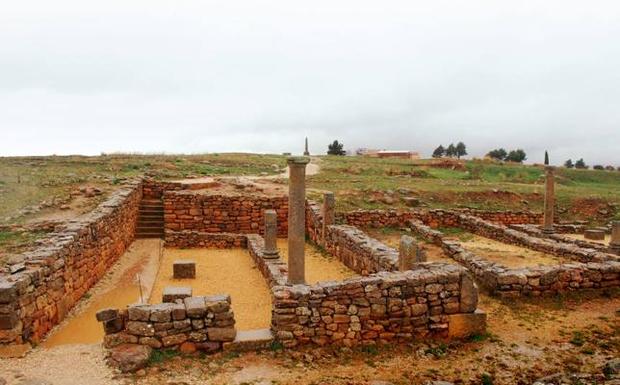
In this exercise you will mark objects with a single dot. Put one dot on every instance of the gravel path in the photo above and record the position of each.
(63, 365)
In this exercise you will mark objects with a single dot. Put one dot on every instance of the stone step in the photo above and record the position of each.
(249, 340)
(148, 235)
(151, 210)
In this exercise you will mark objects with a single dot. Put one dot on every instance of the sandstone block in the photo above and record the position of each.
(172, 293)
(195, 307)
(465, 325)
(184, 269)
(107, 314)
(221, 334)
(130, 357)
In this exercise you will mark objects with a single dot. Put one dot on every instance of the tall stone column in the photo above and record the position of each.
(306, 152)
(549, 199)
(614, 242)
(329, 214)
(271, 234)
(407, 253)
(296, 219)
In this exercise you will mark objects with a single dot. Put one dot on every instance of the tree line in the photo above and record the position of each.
(517, 156)
(451, 151)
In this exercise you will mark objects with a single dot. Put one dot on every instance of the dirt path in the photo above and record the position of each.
(62, 365)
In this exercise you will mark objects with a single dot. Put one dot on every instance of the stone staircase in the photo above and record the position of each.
(151, 219)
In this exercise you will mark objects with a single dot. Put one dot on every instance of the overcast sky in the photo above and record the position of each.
(213, 76)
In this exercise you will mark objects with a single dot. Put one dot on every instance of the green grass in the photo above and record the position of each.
(474, 184)
(26, 181)
(13, 242)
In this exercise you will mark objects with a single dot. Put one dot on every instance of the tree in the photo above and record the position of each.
(336, 149)
(598, 167)
(610, 168)
(499, 154)
(439, 152)
(569, 164)
(451, 150)
(580, 164)
(461, 150)
(517, 156)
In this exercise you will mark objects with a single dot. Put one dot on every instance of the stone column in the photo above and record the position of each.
(549, 199)
(271, 234)
(329, 215)
(407, 253)
(296, 219)
(306, 152)
(614, 242)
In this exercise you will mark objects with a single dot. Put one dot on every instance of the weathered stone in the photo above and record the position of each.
(130, 357)
(549, 203)
(8, 291)
(614, 242)
(140, 328)
(175, 339)
(271, 234)
(296, 219)
(195, 307)
(465, 325)
(161, 312)
(597, 235)
(138, 312)
(221, 334)
(183, 269)
(469, 294)
(106, 314)
(172, 293)
(113, 325)
(407, 252)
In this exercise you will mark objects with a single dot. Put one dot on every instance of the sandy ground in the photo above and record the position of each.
(319, 266)
(508, 255)
(118, 288)
(220, 271)
(582, 238)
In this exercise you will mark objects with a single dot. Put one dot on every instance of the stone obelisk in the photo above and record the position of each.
(306, 152)
(296, 219)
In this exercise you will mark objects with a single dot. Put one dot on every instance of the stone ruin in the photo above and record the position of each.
(396, 298)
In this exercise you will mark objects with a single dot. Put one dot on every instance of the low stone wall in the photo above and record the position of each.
(399, 218)
(432, 301)
(560, 237)
(191, 238)
(153, 189)
(198, 323)
(56, 275)
(531, 281)
(358, 251)
(186, 210)
(511, 236)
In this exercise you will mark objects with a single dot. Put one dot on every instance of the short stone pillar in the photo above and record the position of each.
(328, 213)
(614, 242)
(409, 253)
(183, 268)
(549, 199)
(296, 219)
(594, 234)
(271, 234)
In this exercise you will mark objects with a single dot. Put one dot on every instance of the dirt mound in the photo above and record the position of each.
(592, 207)
(451, 164)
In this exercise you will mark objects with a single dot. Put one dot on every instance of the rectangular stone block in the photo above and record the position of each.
(8, 321)
(8, 291)
(172, 293)
(107, 314)
(465, 325)
(184, 269)
(221, 334)
(195, 307)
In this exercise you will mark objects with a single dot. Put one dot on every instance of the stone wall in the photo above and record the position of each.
(399, 218)
(199, 323)
(53, 277)
(432, 301)
(153, 189)
(192, 238)
(531, 281)
(186, 210)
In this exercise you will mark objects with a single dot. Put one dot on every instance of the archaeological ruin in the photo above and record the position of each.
(392, 294)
